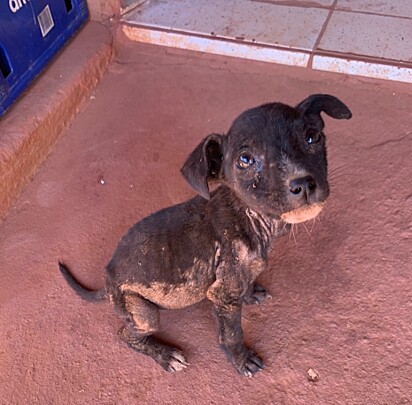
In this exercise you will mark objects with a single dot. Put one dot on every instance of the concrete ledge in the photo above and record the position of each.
(217, 46)
(30, 128)
(372, 69)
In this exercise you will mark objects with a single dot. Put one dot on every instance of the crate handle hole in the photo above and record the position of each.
(5, 68)
(69, 5)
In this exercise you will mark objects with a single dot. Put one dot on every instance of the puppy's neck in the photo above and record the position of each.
(261, 225)
(266, 228)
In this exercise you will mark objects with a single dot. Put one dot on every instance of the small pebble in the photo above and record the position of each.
(313, 375)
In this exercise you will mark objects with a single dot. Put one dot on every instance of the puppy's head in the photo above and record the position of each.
(273, 157)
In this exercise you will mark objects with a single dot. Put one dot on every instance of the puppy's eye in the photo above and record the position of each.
(245, 160)
(312, 136)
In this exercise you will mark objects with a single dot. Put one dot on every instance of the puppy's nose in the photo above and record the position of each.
(303, 186)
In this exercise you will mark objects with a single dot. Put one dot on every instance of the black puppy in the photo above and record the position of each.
(272, 171)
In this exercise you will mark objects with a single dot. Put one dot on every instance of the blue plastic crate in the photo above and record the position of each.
(31, 33)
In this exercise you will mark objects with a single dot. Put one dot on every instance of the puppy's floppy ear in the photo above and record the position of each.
(316, 103)
(203, 164)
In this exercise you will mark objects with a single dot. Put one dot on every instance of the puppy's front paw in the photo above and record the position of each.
(258, 295)
(251, 365)
(245, 360)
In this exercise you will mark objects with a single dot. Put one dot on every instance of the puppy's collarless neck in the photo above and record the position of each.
(261, 225)
(266, 227)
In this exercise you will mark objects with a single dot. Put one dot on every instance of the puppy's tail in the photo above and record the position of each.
(81, 290)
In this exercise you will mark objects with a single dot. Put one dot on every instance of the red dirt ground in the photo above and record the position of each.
(342, 297)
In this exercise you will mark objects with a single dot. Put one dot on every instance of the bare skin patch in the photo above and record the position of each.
(303, 214)
(169, 296)
(249, 260)
(145, 314)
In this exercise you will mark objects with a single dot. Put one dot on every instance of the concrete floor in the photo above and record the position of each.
(342, 302)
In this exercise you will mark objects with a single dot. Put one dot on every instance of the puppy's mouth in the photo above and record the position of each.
(303, 214)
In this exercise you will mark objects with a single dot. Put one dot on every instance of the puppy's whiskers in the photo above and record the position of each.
(313, 223)
(338, 169)
(319, 219)
(335, 176)
(292, 232)
(307, 231)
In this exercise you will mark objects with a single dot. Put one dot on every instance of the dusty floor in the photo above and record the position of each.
(342, 298)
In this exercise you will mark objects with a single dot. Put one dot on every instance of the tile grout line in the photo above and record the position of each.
(321, 33)
(372, 13)
(132, 7)
(289, 4)
(332, 7)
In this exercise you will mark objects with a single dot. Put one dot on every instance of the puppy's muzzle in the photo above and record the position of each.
(303, 195)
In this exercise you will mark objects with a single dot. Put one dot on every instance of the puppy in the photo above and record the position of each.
(271, 171)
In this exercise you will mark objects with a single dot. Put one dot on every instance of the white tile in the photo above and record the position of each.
(127, 5)
(299, 3)
(360, 68)
(262, 23)
(369, 35)
(218, 47)
(402, 8)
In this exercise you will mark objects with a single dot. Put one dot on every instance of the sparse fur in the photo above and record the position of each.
(271, 172)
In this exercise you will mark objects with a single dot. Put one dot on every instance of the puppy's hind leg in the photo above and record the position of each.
(142, 321)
